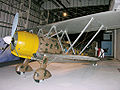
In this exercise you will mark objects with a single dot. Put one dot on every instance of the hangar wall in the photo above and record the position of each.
(116, 38)
(8, 9)
(118, 44)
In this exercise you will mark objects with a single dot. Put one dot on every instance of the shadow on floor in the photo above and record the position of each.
(11, 63)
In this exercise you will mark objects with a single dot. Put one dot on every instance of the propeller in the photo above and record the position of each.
(8, 39)
(14, 26)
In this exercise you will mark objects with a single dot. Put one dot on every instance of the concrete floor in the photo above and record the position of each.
(65, 76)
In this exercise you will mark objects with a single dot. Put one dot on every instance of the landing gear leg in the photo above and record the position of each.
(42, 73)
(22, 68)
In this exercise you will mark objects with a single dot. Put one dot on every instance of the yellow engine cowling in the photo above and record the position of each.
(24, 44)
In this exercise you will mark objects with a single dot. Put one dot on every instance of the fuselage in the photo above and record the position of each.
(26, 45)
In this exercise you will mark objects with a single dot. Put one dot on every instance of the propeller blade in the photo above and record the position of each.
(5, 48)
(14, 26)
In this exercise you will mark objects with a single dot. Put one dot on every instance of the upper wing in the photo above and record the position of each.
(58, 58)
(110, 20)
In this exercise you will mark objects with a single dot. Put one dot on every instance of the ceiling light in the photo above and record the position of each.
(64, 14)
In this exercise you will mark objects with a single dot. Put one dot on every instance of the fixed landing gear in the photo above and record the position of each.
(95, 64)
(42, 73)
(22, 68)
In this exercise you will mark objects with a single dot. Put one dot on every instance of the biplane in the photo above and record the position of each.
(43, 48)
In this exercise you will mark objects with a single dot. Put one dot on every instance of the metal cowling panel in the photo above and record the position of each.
(27, 45)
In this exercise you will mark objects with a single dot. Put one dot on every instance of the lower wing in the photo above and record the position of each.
(58, 58)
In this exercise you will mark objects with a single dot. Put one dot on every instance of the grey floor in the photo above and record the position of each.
(65, 76)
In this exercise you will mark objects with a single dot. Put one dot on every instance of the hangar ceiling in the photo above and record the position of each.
(57, 4)
(43, 12)
(53, 9)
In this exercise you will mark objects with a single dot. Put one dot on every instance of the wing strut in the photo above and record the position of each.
(59, 38)
(56, 33)
(92, 39)
(65, 33)
(69, 41)
(40, 32)
(80, 34)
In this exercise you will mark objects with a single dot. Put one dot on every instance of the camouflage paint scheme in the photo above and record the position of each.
(51, 46)
(30, 46)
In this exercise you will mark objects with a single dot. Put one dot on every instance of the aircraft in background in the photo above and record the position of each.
(44, 48)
